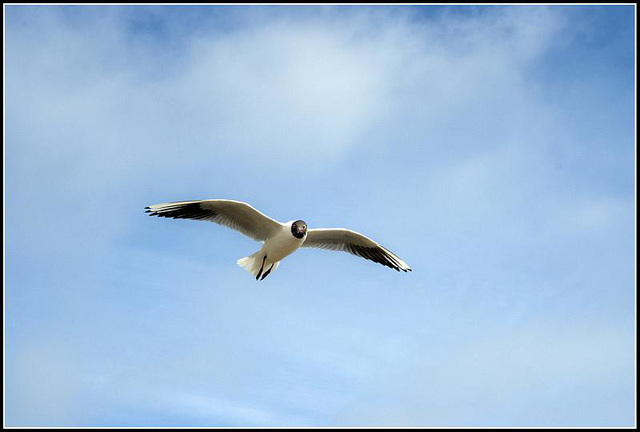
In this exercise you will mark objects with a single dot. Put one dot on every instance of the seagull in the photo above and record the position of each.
(279, 239)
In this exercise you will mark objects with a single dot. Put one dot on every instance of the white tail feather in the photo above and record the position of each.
(253, 263)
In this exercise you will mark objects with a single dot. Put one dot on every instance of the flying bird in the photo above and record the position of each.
(280, 239)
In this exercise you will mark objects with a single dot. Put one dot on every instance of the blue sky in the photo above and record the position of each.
(492, 148)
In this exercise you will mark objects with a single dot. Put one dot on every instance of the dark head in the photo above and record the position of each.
(299, 229)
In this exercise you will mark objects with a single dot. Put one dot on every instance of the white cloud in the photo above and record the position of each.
(283, 92)
(518, 377)
(283, 89)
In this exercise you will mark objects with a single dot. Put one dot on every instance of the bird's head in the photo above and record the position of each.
(299, 229)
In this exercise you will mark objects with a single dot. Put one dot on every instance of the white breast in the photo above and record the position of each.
(281, 245)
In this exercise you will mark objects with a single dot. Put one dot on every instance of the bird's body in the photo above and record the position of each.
(279, 239)
(275, 249)
(282, 244)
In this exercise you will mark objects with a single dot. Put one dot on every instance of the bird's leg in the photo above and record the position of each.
(261, 268)
(267, 272)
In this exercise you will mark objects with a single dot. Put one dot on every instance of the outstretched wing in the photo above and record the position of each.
(236, 215)
(341, 239)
